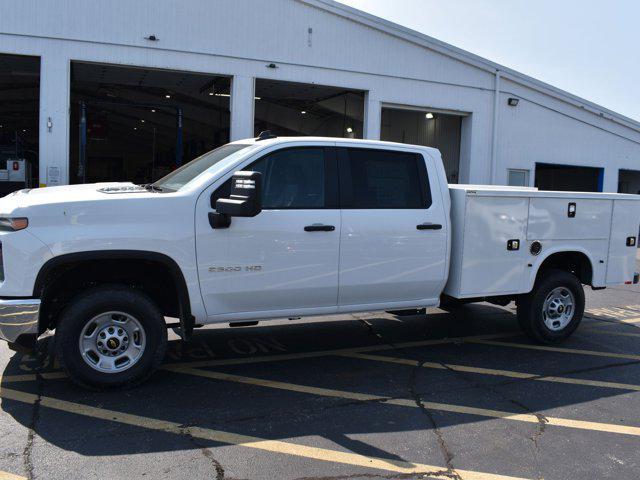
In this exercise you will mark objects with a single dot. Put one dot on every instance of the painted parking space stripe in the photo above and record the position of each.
(325, 353)
(491, 371)
(31, 377)
(624, 321)
(277, 358)
(405, 402)
(273, 446)
(575, 351)
(10, 476)
(602, 330)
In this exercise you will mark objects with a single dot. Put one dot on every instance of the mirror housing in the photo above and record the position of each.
(246, 196)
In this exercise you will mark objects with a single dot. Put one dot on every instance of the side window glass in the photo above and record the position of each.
(381, 179)
(291, 179)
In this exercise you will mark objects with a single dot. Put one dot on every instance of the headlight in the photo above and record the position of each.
(13, 224)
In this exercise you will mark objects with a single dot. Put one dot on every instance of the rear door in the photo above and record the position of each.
(393, 247)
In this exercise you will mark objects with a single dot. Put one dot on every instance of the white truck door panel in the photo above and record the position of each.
(270, 262)
(384, 257)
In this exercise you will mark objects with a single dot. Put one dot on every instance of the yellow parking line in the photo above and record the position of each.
(283, 357)
(31, 377)
(575, 351)
(273, 446)
(10, 476)
(499, 373)
(629, 320)
(618, 320)
(324, 353)
(612, 312)
(600, 330)
(405, 402)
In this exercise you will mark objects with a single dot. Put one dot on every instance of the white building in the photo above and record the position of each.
(95, 90)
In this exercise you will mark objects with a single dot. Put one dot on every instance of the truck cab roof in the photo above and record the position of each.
(336, 141)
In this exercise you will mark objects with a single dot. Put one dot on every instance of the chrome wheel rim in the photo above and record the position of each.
(112, 342)
(558, 308)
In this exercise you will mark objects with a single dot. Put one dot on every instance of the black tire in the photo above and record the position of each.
(530, 307)
(112, 298)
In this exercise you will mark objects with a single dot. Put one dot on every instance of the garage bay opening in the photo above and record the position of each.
(294, 109)
(569, 178)
(427, 128)
(19, 115)
(138, 124)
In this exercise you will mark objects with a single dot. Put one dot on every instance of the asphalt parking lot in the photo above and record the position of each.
(371, 396)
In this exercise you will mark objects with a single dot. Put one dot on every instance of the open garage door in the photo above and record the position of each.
(138, 124)
(431, 129)
(629, 181)
(292, 109)
(568, 178)
(19, 118)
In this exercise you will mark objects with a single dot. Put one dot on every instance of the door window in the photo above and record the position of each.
(383, 179)
(292, 178)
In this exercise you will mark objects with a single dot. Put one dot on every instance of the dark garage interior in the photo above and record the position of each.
(431, 129)
(19, 118)
(568, 178)
(138, 124)
(293, 109)
(629, 181)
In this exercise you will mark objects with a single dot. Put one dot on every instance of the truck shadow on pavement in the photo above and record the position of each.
(336, 384)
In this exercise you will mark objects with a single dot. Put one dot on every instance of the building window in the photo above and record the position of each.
(518, 178)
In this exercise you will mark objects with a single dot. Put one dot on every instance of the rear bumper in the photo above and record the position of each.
(19, 319)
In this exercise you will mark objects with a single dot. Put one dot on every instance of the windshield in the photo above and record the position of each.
(183, 175)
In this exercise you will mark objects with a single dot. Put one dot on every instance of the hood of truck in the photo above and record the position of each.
(68, 194)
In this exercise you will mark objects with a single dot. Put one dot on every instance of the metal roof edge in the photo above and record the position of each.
(469, 58)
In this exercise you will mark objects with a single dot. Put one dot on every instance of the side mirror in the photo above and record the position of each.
(246, 196)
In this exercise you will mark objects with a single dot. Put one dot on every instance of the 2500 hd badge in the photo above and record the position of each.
(237, 268)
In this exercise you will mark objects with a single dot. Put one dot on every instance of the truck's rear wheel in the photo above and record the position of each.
(110, 337)
(553, 309)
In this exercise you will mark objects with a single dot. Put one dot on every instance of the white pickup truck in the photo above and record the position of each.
(289, 227)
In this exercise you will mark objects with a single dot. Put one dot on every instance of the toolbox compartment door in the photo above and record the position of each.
(622, 257)
(488, 266)
(549, 219)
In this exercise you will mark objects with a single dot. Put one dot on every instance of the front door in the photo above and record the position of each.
(285, 260)
(394, 235)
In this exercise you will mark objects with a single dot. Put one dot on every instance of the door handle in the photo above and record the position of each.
(319, 228)
(429, 226)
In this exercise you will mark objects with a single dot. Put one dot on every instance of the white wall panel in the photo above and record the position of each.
(240, 37)
(531, 133)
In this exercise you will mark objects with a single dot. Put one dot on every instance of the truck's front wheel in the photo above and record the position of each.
(110, 337)
(553, 309)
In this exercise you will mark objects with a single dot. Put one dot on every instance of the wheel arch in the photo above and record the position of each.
(56, 268)
(576, 261)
